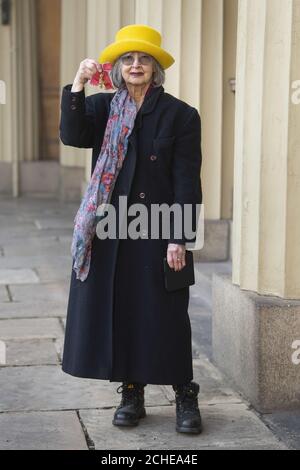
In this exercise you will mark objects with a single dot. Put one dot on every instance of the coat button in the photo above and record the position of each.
(142, 195)
(73, 107)
(74, 98)
(153, 157)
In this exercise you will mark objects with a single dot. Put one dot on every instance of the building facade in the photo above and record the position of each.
(238, 63)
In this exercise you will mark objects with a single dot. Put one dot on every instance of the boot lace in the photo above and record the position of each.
(187, 401)
(131, 393)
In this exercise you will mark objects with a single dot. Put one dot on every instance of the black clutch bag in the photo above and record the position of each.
(175, 280)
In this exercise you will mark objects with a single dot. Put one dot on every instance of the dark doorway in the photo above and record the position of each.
(48, 13)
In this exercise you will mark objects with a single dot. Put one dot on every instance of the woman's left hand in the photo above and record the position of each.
(176, 256)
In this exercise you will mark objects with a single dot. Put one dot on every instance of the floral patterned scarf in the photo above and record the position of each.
(113, 151)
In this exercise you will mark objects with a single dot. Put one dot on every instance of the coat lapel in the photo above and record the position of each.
(147, 107)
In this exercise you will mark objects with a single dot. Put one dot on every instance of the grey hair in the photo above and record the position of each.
(158, 77)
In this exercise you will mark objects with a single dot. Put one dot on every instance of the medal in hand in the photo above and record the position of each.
(103, 78)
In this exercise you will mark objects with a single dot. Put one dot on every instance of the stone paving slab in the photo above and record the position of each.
(13, 228)
(49, 388)
(226, 426)
(286, 425)
(49, 219)
(14, 219)
(20, 248)
(47, 268)
(48, 292)
(41, 431)
(17, 235)
(31, 352)
(18, 276)
(201, 324)
(200, 292)
(62, 386)
(59, 346)
(44, 223)
(36, 240)
(32, 204)
(37, 261)
(30, 328)
(207, 269)
(3, 294)
(52, 272)
(34, 308)
(201, 334)
(196, 309)
(34, 232)
(214, 387)
(66, 238)
(197, 300)
(55, 273)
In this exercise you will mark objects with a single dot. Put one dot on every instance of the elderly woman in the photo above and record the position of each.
(122, 323)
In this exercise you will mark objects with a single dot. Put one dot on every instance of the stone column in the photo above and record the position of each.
(5, 110)
(73, 51)
(256, 314)
(228, 104)
(20, 114)
(216, 232)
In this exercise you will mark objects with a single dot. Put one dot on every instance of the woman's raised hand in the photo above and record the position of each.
(87, 68)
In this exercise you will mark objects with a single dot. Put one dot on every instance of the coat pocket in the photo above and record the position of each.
(162, 152)
(163, 142)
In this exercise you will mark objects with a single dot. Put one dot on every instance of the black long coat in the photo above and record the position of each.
(122, 324)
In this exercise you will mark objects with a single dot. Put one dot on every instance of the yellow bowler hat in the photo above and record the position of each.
(137, 37)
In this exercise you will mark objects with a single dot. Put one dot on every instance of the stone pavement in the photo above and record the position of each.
(43, 408)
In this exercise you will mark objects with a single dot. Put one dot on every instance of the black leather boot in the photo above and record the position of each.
(131, 408)
(188, 418)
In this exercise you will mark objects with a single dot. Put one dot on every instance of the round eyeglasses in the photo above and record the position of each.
(128, 59)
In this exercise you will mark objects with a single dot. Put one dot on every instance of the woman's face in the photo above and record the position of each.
(140, 62)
